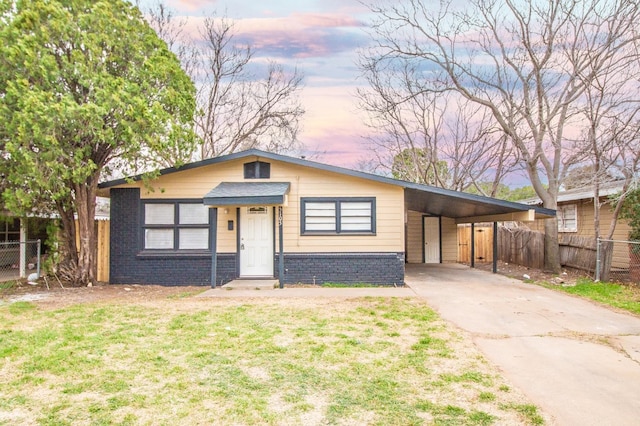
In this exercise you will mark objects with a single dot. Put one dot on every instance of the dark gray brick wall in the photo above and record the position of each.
(128, 266)
(346, 268)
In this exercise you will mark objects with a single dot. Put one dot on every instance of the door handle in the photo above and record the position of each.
(241, 246)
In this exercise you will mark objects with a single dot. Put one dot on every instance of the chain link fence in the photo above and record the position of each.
(618, 261)
(19, 259)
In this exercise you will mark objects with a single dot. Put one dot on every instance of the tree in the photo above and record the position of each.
(238, 108)
(417, 165)
(527, 63)
(85, 86)
(630, 209)
(451, 142)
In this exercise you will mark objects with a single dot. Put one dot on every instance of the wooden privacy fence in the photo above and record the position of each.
(102, 253)
(524, 247)
(521, 246)
(483, 243)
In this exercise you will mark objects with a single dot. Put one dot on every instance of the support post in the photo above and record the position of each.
(598, 260)
(39, 255)
(473, 245)
(22, 248)
(213, 243)
(495, 247)
(280, 247)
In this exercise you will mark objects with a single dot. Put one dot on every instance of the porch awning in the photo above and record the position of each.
(247, 194)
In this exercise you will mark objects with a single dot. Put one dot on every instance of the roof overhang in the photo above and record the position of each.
(247, 194)
(470, 208)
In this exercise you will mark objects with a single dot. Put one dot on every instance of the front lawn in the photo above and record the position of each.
(622, 296)
(270, 361)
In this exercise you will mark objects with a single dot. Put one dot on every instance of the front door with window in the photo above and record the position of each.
(256, 242)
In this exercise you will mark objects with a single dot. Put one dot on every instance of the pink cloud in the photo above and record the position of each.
(192, 5)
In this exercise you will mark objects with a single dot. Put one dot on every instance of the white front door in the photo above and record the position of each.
(431, 228)
(256, 241)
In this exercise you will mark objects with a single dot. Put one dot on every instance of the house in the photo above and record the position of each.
(576, 217)
(255, 214)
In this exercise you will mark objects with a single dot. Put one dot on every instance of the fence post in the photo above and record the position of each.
(598, 259)
(39, 250)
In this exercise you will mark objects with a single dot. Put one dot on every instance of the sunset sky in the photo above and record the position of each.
(320, 38)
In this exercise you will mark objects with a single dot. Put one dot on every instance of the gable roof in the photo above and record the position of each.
(424, 198)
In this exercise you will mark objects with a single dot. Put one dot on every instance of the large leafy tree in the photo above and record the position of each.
(85, 86)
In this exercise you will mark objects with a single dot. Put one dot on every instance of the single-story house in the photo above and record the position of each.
(576, 217)
(255, 214)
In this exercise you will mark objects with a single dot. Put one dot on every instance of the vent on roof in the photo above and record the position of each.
(257, 170)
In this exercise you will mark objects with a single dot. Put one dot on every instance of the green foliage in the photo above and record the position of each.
(612, 294)
(84, 85)
(504, 192)
(631, 211)
(418, 165)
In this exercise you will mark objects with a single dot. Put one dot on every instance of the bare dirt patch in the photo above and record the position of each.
(567, 276)
(56, 296)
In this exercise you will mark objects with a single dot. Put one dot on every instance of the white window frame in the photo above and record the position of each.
(567, 224)
(174, 227)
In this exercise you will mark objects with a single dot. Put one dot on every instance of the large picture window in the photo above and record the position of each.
(567, 218)
(338, 216)
(176, 226)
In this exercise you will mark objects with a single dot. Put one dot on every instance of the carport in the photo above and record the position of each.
(432, 215)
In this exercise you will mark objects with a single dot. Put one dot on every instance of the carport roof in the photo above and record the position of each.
(423, 198)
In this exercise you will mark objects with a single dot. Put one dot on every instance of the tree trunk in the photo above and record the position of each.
(68, 261)
(551, 246)
(85, 209)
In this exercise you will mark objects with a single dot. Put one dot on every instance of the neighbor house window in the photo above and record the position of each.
(176, 226)
(9, 229)
(257, 170)
(338, 215)
(567, 218)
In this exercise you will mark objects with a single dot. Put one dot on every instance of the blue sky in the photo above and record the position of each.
(320, 38)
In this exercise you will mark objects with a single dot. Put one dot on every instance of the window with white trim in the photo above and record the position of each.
(567, 218)
(338, 215)
(176, 226)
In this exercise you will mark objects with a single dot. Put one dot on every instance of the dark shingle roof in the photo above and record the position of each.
(247, 193)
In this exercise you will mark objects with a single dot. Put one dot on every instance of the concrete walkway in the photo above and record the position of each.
(578, 361)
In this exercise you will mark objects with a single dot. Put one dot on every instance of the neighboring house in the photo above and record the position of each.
(576, 212)
(255, 214)
(576, 215)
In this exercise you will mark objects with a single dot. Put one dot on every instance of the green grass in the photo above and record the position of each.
(620, 296)
(353, 285)
(6, 285)
(379, 361)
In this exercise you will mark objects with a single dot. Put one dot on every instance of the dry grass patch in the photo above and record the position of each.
(191, 361)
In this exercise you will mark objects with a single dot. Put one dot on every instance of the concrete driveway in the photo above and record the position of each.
(578, 361)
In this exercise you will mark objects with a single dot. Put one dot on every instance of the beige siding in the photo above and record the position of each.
(449, 240)
(586, 226)
(414, 237)
(305, 182)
